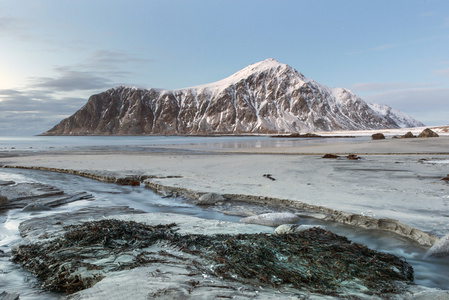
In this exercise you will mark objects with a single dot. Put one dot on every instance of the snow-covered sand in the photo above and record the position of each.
(395, 178)
(391, 180)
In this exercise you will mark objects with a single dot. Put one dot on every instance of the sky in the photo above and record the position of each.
(54, 54)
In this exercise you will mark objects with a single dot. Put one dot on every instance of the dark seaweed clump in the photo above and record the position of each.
(315, 260)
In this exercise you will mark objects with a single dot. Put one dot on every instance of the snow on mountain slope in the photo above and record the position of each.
(265, 97)
(400, 118)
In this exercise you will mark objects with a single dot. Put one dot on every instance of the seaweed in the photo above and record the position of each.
(314, 260)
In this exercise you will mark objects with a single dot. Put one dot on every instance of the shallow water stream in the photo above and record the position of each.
(431, 273)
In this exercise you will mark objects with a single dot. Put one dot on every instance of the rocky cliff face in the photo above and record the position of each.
(266, 97)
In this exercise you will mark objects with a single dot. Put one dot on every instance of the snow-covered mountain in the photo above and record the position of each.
(400, 118)
(265, 97)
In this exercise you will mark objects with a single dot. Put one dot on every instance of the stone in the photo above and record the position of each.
(3, 200)
(294, 228)
(378, 136)
(440, 249)
(408, 135)
(210, 199)
(446, 178)
(9, 296)
(428, 133)
(330, 156)
(271, 219)
(128, 181)
(352, 157)
(36, 206)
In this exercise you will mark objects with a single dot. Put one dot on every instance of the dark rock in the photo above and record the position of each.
(269, 176)
(128, 181)
(9, 296)
(378, 136)
(428, 133)
(446, 178)
(408, 135)
(330, 156)
(3, 200)
(353, 157)
(9, 182)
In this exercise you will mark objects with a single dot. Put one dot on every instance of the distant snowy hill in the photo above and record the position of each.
(265, 97)
(400, 118)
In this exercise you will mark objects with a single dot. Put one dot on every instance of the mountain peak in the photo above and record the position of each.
(267, 65)
(265, 97)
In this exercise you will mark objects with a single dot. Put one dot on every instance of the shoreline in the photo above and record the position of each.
(314, 211)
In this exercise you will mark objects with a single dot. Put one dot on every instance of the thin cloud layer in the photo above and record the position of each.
(67, 81)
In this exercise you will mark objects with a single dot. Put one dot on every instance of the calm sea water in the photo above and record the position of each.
(61, 143)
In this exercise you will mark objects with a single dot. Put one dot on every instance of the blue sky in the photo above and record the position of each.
(54, 54)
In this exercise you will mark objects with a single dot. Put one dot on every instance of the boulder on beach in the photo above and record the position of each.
(428, 133)
(295, 228)
(210, 199)
(408, 135)
(378, 136)
(353, 157)
(440, 249)
(329, 155)
(271, 219)
(3, 200)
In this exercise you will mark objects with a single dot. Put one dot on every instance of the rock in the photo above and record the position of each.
(294, 228)
(434, 295)
(271, 219)
(9, 182)
(428, 133)
(3, 200)
(36, 206)
(446, 178)
(408, 135)
(269, 176)
(330, 156)
(352, 157)
(9, 296)
(378, 136)
(210, 199)
(128, 181)
(440, 249)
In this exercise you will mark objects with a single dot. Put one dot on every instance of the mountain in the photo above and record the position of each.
(265, 97)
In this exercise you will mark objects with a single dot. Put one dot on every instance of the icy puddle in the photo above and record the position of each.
(429, 272)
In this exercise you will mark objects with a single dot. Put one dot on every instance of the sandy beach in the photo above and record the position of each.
(394, 179)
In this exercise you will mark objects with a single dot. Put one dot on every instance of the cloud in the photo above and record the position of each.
(68, 80)
(106, 59)
(34, 111)
(443, 72)
(103, 69)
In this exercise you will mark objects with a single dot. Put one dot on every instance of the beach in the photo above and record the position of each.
(397, 181)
